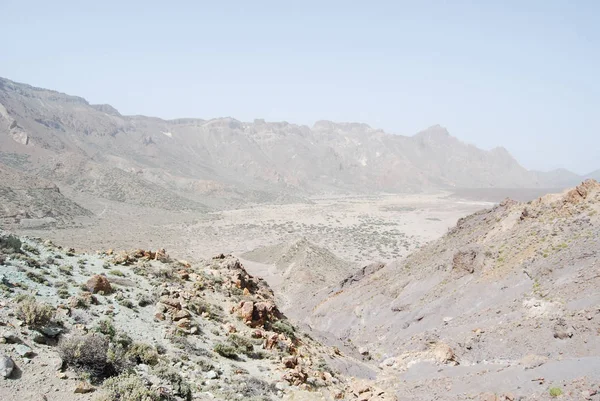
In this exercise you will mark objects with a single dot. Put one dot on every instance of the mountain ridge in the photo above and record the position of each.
(224, 162)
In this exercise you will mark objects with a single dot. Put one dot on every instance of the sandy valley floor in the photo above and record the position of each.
(359, 229)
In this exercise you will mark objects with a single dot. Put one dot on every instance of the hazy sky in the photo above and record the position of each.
(521, 74)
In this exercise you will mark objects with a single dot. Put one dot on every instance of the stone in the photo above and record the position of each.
(84, 387)
(51, 331)
(184, 324)
(182, 314)
(39, 338)
(99, 283)
(10, 337)
(6, 366)
(23, 350)
(247, 311)
(444, 354)
(58, 364)
(290, 362)
(211, 374)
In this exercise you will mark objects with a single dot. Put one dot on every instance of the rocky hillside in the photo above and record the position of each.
(186, 163)
(142, 326)
(302, 270)
(505, 305)
(30, 201)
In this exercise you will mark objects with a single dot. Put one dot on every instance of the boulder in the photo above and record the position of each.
(182, 314)
(99, 283)
(6, 366)
(247, 311)
(10, 337)
(23, 350)
(83, 387)
(444, 354)
(290, 362)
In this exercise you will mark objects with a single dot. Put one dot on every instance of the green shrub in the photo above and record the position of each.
(66, 269)
(142, 353)
(36, 277)
(555, 391)
(33, 313)
(127, 387)
(180, 387)
(30, 249)
(116, 272)
(107, 328)
(226, 350)
(242, 343)
(11, 243)
(284, 327)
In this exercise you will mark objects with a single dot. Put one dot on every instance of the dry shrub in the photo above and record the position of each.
(87, 353)
(33, 313)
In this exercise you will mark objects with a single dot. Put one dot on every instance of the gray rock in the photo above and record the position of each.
(39, 338)
(23, 350)
(211, 374)
(51, 331)
(6, 366)
(57, 363)
(11, 337)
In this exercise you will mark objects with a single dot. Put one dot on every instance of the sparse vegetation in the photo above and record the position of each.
(142, 353)
(226, 350)
(555, 391)
(66, 269)
(180, 386)
(284, 327)
(33, 313)
(127, 387)
(86, 353)
(10, 243)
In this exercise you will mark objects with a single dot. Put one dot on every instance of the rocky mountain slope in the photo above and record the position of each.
(142, 326)
(32, 202)
(188, 163)
(505, 305)
(302, 271)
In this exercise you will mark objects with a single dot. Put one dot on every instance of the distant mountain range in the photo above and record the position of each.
(195, 164)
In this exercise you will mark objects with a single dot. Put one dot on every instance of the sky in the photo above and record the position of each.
(518, 74)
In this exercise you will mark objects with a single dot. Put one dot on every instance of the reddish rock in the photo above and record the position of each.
(290, 362)
(247, 311)
(98, 283)
(171, 302)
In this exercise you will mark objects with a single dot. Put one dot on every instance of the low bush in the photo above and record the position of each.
(87, 353)
(33, 313)
(179, 385)
(127, 387)
(226, 350)
(142, 353)
(244, 344)
(11, 243)
(555, 391)
(282, 326)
